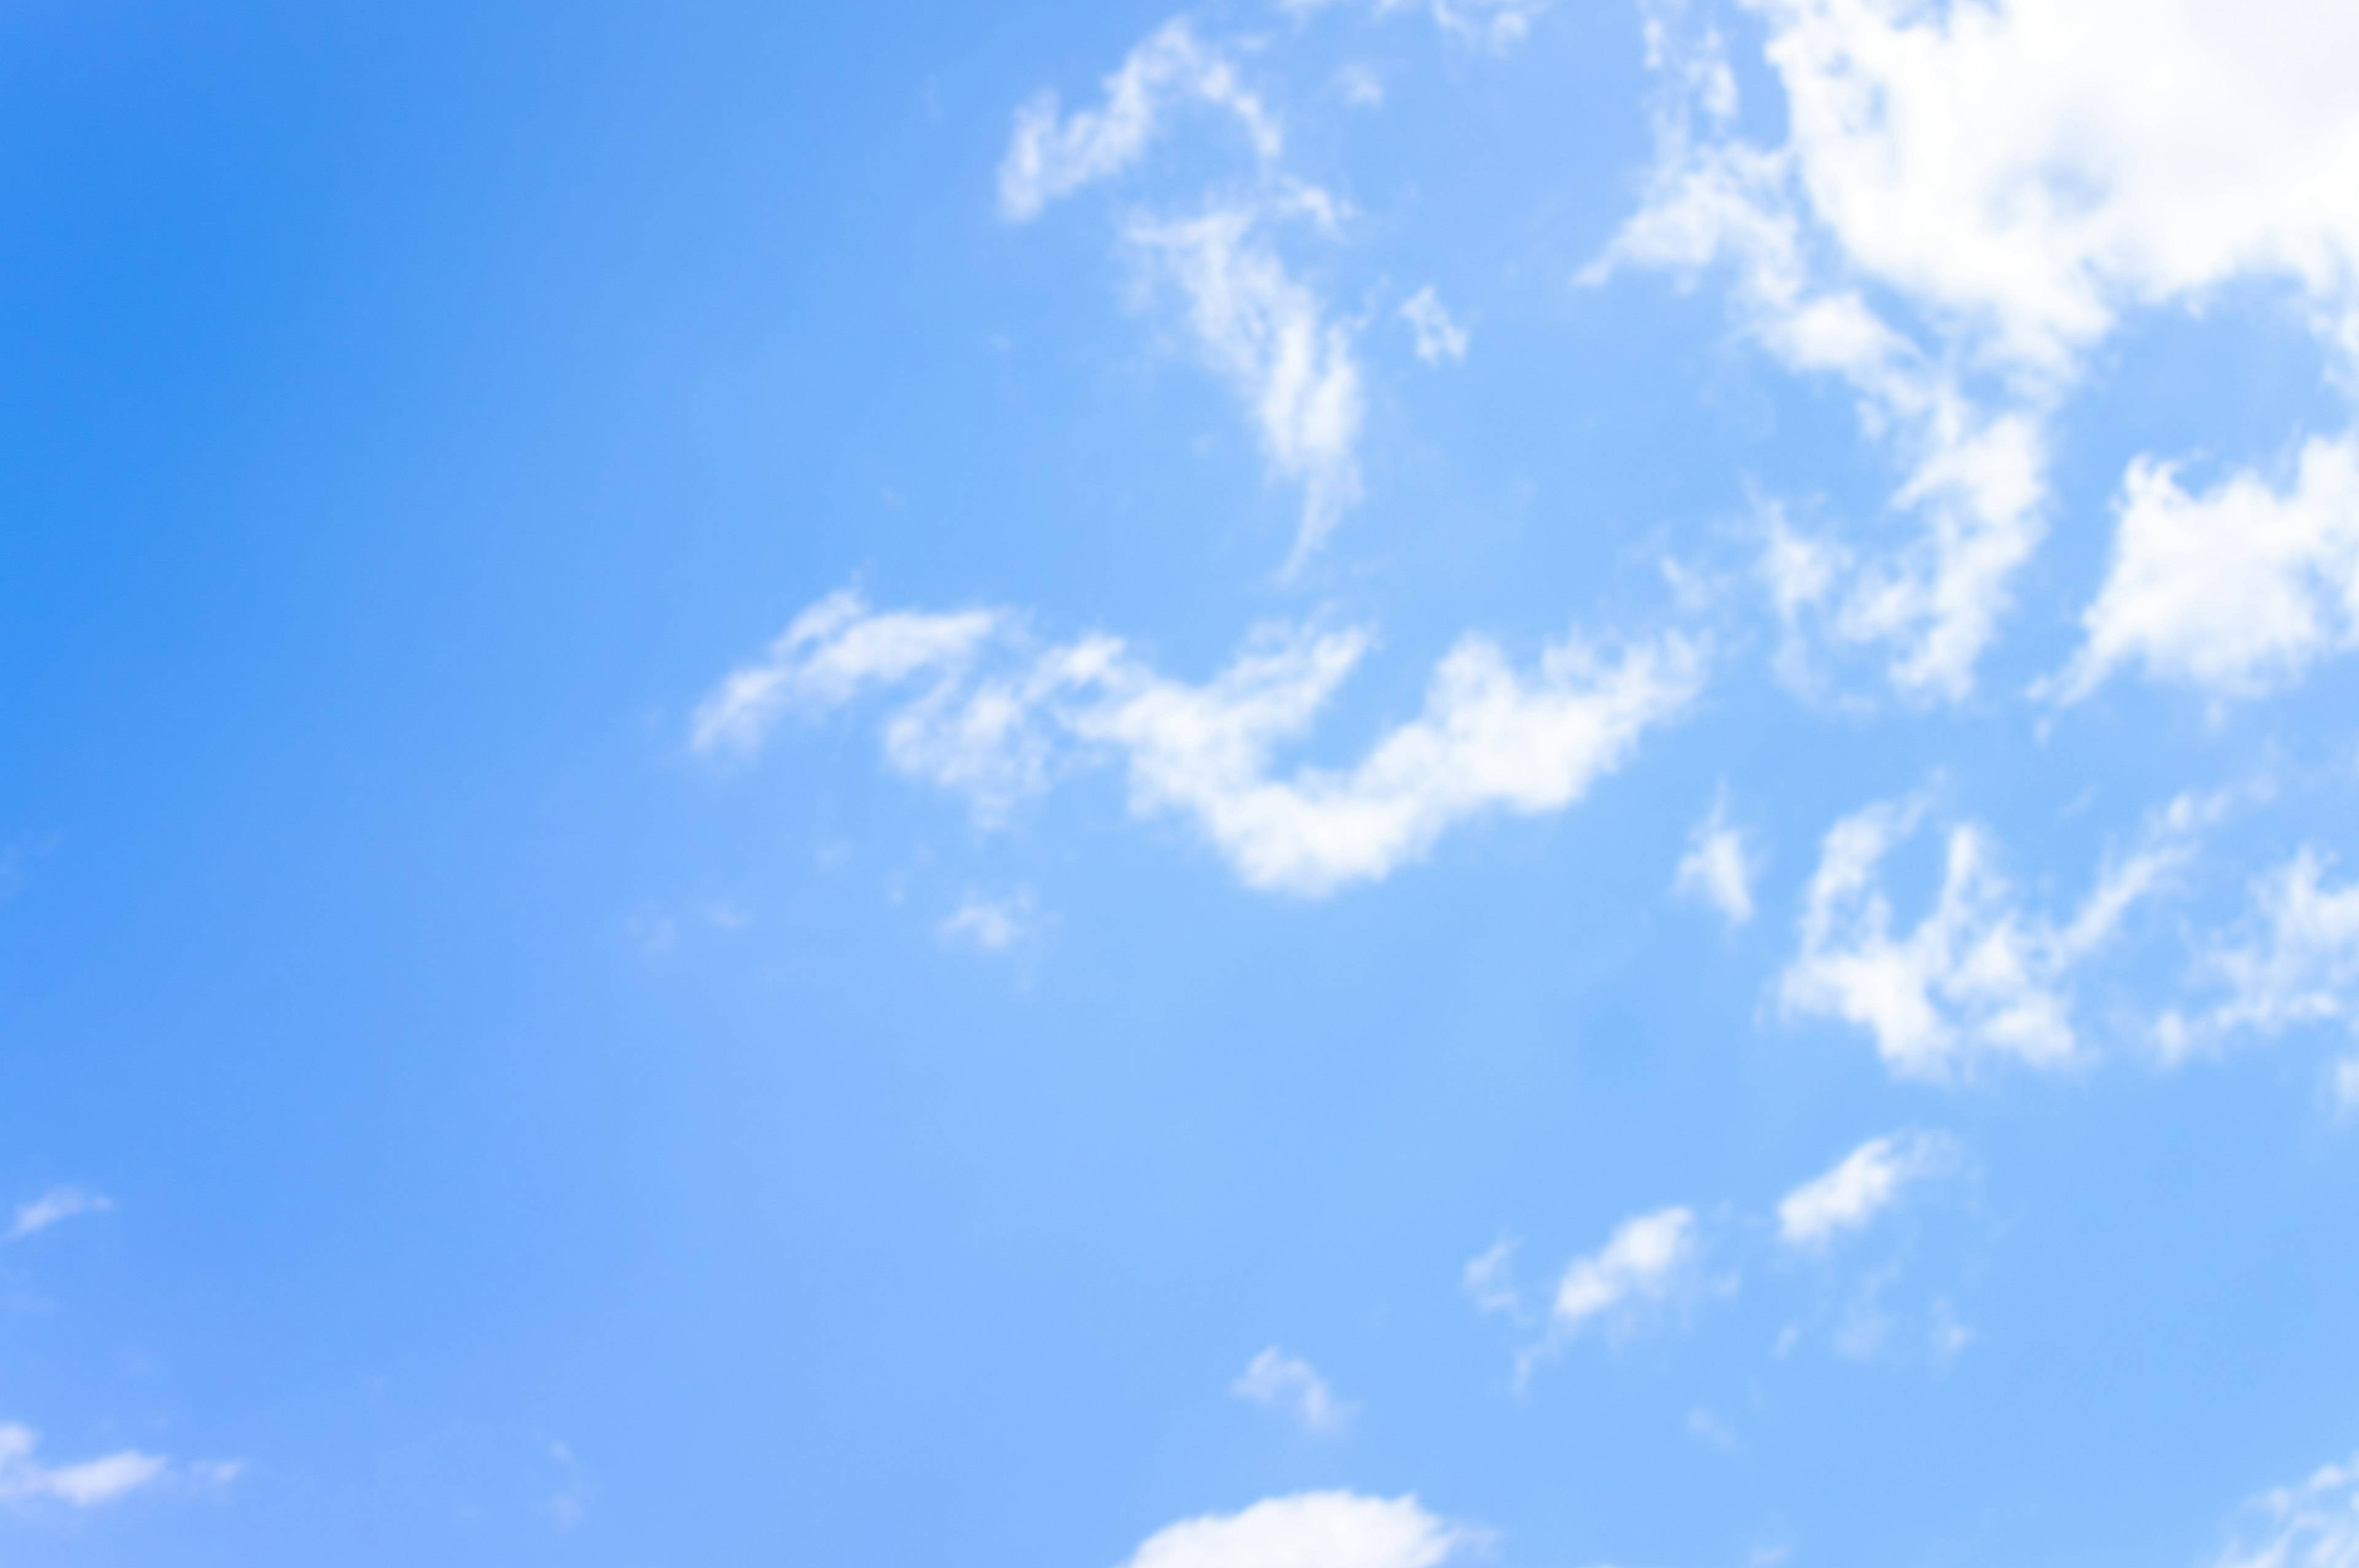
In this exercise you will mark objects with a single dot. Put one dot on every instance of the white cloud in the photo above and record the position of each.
(1312, 1529)
(1867, 1181)
(1643, 1263)
(2342, 1086)
(93, 1482)
(2312, 1524)
(1291, 1384)
(1490, 737)
(2295, 962)
(2235, 590)
(1440, 339)
(1490, 1278)
(1051, 155)
(1271, 337)
(1979, 976)
(1719, 867)
(993, 925)
(2014, 177)
(57, 1205)
(1492, 24)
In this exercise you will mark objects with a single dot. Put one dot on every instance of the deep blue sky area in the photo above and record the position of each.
(458, 1106)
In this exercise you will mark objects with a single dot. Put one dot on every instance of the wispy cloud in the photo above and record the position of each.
(2293, 960)
(1052, 155)
(1439, 338)
(92, 1483)
(1292, 1385)
(1266, 332)
(1981, 975)
(2314, 1524)
(1719, 867)
(1495, 25)
(1865, 1182)
(994, 924)
(1490, 738)
(55, 1206)
(1329, 1530)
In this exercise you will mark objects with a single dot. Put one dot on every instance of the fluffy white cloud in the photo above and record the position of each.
(1312, 1529)
(1643, 1263)
(1867, 1181)
(2295, 962)
(1979, 976)
(57, 1205)
(1269, 336)
(1052, 155)
(1719, 867)
(2235, 590)
(2313, 1525)
(1439, 338)
(1291, 1384)
(2013, 177)
(1490, 737)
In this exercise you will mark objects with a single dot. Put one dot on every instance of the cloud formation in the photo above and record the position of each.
(2312, 1524)
(2237, 589)
(1642, 1264)
(1312, 1529)
(1052, 155)
(1865, 1182)
(57, 1205)
(2294, 961)
(1270, 337)
(996, 716)
(2008, 181)
(1439, 338)
(1980, 977)
(1291, 1384)
(1719, 867)
(23, 1479)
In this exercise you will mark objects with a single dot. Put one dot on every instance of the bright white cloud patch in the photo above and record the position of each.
(2313, 1525)
(1980, 977)
(1292, 1385)
(1439, 338)
(1053, 155)
(1719, 867)
(1867, 1181)
(1490, 738)
(25, 1479)
(1312, 1530)
(2295, 961)
(2016, 177)
(1269, 335)
(2235, 590)
(57, 1205)
(1643, 1263)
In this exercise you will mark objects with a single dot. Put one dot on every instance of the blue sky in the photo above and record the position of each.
(1291, 786)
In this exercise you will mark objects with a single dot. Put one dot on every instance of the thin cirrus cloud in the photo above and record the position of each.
(1492, 24)
(2294, 961)
(1312, 1529)
(2007, 180)
(1981, 977)
(1862, 1186)
(92, 1483)
(997, 718)
(2311, 1524)
(994, 924)
(1649, 1263)
(1439, 338)
(53, 1208)
(1254, 322)
(1293, 1385)
(1719, 867)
